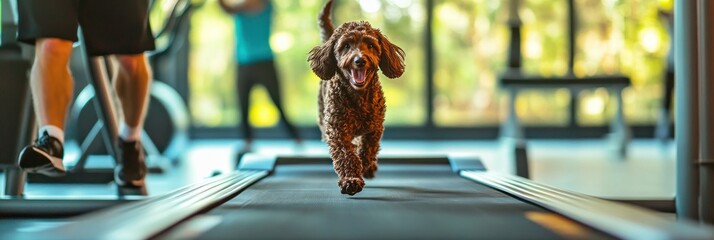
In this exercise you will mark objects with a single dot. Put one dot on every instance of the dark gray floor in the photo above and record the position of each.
(403, 202)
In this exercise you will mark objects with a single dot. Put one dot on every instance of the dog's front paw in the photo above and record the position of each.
(369, 171)
(351, 186)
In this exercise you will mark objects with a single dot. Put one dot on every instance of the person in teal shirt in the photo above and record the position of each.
(255, 59)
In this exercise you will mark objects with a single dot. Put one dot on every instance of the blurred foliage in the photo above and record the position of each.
(212, 68)
(470, 45)
(613, 36)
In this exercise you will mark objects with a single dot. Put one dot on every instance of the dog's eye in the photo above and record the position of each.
(346, 47)
(370, 46)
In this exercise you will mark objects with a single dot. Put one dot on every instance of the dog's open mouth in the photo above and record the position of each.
(359, 77)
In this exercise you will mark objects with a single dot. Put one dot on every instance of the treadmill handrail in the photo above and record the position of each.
(620, 220)
(145, 219)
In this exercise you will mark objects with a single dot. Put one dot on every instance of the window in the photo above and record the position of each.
(470, 41)
(212, 67)
(404, 23)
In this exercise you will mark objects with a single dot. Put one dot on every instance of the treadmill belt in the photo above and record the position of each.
(404, 201)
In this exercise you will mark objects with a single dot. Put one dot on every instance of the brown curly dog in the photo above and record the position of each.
(351, 101)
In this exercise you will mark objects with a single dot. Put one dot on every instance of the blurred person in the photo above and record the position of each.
(255, 60)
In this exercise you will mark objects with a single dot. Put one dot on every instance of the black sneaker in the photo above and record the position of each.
(131, 168)
(43, 157)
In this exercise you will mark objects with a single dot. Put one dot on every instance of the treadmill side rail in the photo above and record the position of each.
(620, 220)
(257, 162)
(466, 163)
(145, 219)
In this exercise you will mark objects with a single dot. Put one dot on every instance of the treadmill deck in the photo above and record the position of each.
(404, 201)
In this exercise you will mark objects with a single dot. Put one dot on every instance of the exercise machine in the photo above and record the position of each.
(418, 197)
(15, 101)
(105, 113)
(412, 197)
(513, 80)
(17, 129)
(165, 134)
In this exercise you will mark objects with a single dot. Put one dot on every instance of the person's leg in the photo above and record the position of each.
(245, 82)
(132, 80)
(121, 29)
(52, 88)
(52, 27)
(270, 80)
(51, 83)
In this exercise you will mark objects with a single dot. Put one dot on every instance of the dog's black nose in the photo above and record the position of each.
(360, 62)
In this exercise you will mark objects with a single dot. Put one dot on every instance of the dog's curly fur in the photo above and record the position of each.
(351, 102)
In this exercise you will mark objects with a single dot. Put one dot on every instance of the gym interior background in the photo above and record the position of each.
(456, 51)
(450, 100)
(453, 62)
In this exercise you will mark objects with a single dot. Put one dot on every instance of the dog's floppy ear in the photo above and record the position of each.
(392, 59)
(322, 60)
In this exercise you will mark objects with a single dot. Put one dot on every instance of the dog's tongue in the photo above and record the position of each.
(358, 76)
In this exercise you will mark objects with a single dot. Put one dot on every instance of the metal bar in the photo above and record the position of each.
(28, 122)
(572, 25)
(515, 57)
(429, 68)
(573, 106)
(617, 219)
(511, 128)
(686, 122)
(145, 219)
(15, 180)
(535, 81)
(9, 23)
(87, 144)
(104, 106)
(620, 133)
(573, 109)
(706, 113)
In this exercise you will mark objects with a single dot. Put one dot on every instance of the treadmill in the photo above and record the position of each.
(17, 209)
(419, 197)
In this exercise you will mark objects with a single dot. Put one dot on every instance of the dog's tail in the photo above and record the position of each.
(325, 22)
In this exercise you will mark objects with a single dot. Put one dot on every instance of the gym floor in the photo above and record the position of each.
(585, 166)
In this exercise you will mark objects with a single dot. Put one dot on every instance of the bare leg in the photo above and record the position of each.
(51, 81)
(52, 86)
(132, 80)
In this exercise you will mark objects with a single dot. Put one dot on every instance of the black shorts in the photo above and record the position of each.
(108, 26)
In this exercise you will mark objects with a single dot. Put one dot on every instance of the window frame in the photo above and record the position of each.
(429, 130)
